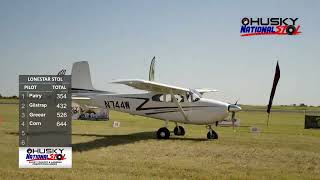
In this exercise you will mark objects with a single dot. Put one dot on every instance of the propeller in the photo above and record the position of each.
(236, 102)
(233, 108)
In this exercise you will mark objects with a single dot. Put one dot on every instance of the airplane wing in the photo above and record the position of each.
(205, 90)
(152, 86)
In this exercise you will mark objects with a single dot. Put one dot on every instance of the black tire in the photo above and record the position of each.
(176, 131)
(290, 29)
(212, 135)
(163, 133)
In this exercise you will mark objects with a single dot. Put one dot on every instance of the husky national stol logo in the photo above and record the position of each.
(269, 26)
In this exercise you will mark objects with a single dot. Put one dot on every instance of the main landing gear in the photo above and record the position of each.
(178, 130)
(164, 133)
(211, 134)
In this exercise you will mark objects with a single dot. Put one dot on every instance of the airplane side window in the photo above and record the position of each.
(188, 96)
(162, 98)
(192, 97)
(168, 98)
(157, 97)
(179, 98)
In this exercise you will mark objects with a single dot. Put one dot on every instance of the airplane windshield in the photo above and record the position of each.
(195, 97)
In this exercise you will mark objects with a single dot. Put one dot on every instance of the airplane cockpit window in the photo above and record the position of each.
(192, 97)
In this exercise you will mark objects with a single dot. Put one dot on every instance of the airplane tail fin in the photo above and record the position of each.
(151, 71)
(81, 78)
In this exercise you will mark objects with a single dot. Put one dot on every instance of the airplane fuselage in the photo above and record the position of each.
(160, 106)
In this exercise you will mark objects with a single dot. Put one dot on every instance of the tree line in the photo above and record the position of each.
(9, 97)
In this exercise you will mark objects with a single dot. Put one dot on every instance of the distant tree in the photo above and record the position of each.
(302, 105)
(294, 105)
(9, 97)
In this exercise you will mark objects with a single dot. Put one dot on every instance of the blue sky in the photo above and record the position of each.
(196, 43)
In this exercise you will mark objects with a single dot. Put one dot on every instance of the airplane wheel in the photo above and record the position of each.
(212, 135)
(163, 133)
(176, 131)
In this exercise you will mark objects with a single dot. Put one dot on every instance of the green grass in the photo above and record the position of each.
(281, 108)
(9, 101)
(283, 151)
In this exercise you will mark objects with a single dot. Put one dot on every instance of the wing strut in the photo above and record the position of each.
(179, 106)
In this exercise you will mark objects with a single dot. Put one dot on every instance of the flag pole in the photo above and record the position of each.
(273, 90)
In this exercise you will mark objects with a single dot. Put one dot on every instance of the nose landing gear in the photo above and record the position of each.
(211, 134)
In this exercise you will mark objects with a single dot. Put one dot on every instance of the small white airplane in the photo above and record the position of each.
(162, 101)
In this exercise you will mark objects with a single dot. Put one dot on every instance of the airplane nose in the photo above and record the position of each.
(234, 108)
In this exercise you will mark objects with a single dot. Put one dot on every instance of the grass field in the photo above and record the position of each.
(9, 101)
(283, 151)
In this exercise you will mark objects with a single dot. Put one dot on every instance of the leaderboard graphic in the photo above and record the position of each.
(45, 121)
